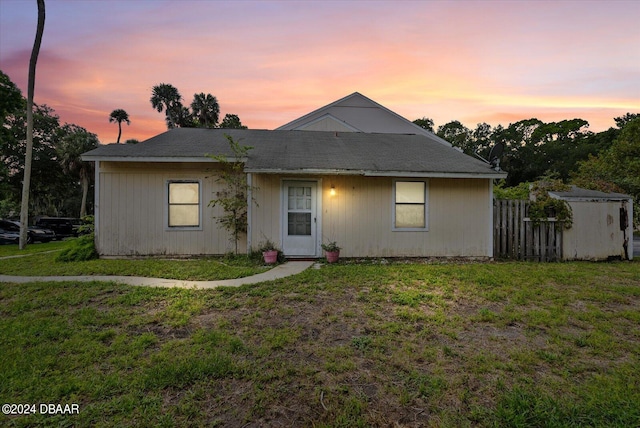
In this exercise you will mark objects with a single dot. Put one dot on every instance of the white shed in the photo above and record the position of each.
(602, 225)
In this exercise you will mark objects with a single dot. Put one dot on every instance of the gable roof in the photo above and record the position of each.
(358, 113)
(578, 194)
(306, 152)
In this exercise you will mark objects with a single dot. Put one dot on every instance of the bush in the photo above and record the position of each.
(521, 191)
(80, 249)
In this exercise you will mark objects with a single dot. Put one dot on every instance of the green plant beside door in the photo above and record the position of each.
(269, 252)
(332, 251)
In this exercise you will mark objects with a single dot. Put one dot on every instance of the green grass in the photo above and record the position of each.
(44, 263)
(488, 345)
(12, 250)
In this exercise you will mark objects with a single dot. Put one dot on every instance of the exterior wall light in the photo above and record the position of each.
(332, 192)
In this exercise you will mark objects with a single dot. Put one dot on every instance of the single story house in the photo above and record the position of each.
(400, 193)
(602, 225)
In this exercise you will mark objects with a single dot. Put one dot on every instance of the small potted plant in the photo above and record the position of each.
(332, 251)
(269, 252)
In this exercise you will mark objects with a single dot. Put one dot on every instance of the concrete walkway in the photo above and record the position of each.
(280, 271)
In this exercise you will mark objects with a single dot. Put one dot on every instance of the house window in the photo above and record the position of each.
(184, 204)
(410, 205)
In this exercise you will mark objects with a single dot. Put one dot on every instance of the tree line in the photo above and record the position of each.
(60, 180)
(204, 112)
(566, 150)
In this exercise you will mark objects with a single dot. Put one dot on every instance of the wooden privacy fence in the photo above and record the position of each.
(515, 236)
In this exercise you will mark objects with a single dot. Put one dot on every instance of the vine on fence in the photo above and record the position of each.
(544, 206)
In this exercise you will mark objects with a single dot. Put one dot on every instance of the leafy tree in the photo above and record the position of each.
(232, 121)
(47, 178)
(425, 123)
(482, 138)
(233, 198)
(24, 209)
(623, 120)
(119, 116)
(558, 146)
(52, 191)
(616, 169)
(458, 135)
(12, 103)
(206, 110)
(11, 98)
(519, 150)
(74, 142)
(165, 97)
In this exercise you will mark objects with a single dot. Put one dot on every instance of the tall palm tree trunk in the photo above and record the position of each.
(85, 191)
(24, 209)
(119, 131)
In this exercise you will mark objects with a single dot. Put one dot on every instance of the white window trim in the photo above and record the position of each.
(426, 207)
(166, 205)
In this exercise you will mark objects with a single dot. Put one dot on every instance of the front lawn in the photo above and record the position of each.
(42, 262)
(12, 249)
(500, 344)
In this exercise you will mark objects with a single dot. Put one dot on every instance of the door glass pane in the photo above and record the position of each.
(299, 198)
(291, 198)
(299, 223)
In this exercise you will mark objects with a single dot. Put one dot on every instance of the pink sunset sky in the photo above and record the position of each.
(272, 61)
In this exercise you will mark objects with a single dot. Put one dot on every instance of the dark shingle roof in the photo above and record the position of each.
(578, 193)
(304, 151)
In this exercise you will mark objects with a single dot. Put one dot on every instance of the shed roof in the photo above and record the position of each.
(579, 194)
(306, 152)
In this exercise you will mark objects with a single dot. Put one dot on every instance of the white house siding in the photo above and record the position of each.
(132, 208)
(265, 215)
(359, 216)
(595, 233)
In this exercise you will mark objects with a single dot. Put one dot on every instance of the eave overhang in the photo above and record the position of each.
(172, 159)
(368, 173)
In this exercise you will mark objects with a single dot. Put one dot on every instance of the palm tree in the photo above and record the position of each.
(166, 97)
(24, 209)
(119, 116)
(75, 141)
(206, 110)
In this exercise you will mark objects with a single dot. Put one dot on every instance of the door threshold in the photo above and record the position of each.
(302, 258)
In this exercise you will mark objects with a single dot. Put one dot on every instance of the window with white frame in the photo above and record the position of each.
(410, 205)
(184, 204)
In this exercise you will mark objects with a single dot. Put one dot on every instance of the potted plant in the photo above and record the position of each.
(269, 252)
(332, 251)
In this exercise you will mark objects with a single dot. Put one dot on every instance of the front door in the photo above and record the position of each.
(299, 223)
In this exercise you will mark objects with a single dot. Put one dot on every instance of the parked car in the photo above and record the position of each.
(64, 227)
(7, 237)
(34, 234)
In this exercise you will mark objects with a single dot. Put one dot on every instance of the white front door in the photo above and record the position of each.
(299, 220)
